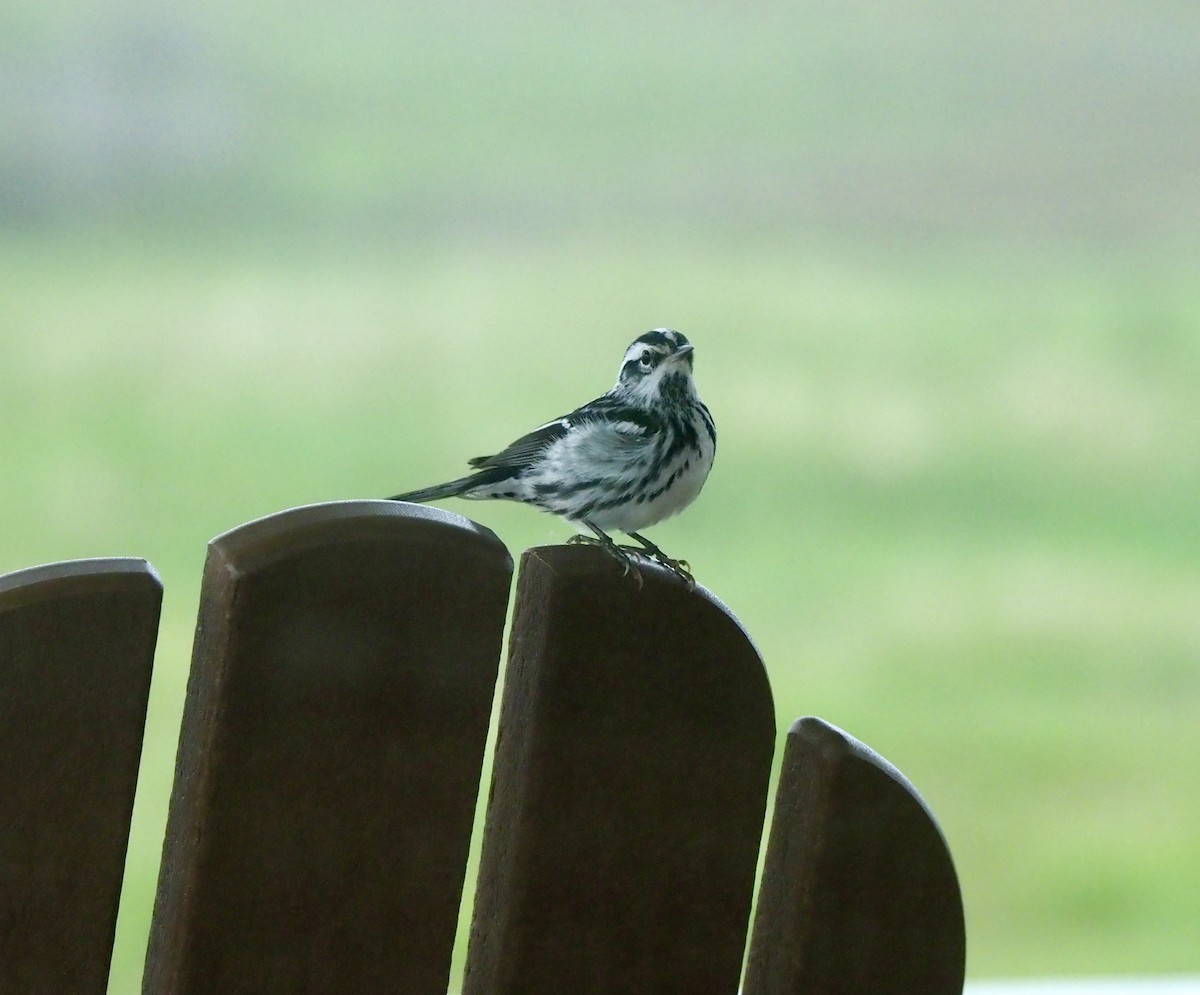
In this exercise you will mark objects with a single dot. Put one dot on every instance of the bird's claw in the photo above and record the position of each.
(683, 570)
(616, 552)
(624, 555)
(680, 568)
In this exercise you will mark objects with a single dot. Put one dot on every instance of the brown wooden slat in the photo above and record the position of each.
(76, 652)
(629, 790)
(858, 892)
(329, 761)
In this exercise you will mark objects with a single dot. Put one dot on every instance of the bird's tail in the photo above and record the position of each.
(454, 488)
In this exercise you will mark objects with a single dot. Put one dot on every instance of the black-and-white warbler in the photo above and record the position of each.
(625, 461)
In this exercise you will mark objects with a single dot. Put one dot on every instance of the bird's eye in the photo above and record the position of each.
(647, 357)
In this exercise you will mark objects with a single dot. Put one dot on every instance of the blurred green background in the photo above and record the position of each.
(940, 264)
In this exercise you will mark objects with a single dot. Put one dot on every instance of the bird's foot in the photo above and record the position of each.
(618, 553)
(680, 568)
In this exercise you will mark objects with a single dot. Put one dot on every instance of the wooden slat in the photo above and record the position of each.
(858, 892)
(629, 790)
(76, 651)
(329, 761)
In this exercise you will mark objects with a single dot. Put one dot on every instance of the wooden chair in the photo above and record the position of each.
(329, 763)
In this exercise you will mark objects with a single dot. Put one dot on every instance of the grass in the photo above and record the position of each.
(953, 503)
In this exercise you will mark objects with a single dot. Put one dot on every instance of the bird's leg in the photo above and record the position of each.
(680, 568)
(604, 541)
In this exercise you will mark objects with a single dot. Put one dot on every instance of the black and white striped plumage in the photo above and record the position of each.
(625, 461)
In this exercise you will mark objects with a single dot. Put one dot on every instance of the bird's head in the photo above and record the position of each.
(657, 369)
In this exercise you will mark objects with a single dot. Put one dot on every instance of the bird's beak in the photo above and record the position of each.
(683, 352)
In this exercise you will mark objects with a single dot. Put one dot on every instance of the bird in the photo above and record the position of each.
(637, 454)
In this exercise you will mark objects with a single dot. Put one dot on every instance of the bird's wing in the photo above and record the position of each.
(627, 425)
(526, 450)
